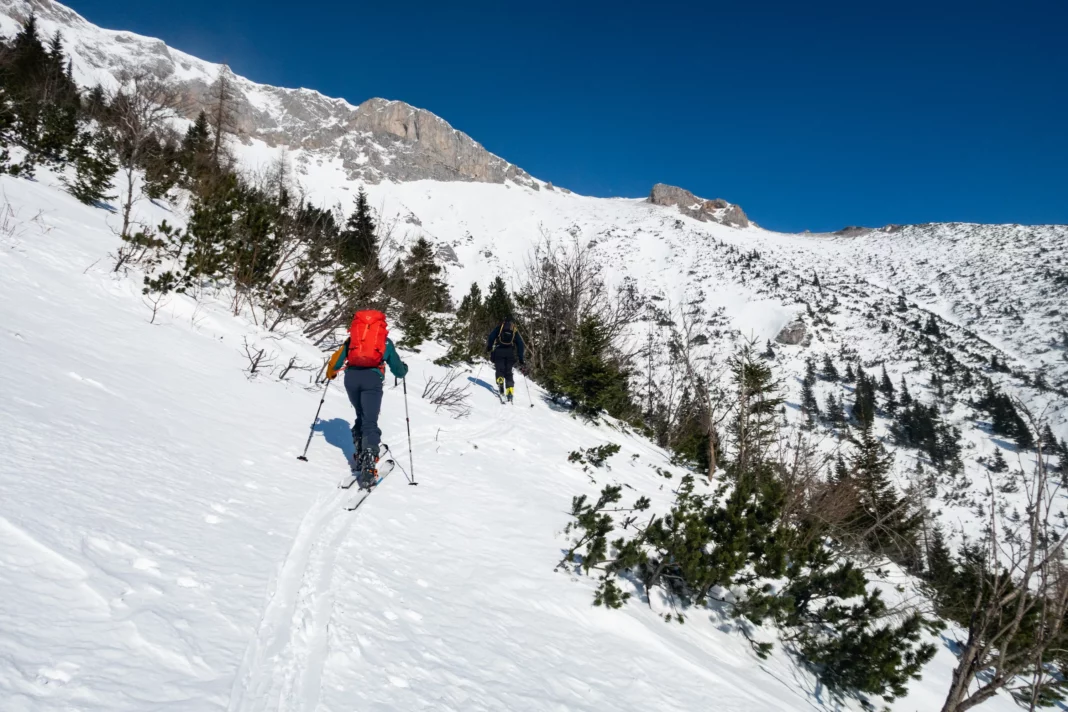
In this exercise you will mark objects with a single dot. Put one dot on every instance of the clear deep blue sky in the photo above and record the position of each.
(811, 115)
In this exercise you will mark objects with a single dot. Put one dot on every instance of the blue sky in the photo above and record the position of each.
(810, 115)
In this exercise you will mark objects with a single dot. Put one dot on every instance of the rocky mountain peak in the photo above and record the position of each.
(375, 141)
(718, 210)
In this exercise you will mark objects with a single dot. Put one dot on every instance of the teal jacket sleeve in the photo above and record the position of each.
(397, 367)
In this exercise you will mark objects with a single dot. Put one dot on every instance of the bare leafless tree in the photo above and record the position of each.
(155, 301)
(257, 358)
(138, 112)
(292, 365)
(1016, 619)
(704, 377)
(222, 113)
(562, 286)
(446, 393)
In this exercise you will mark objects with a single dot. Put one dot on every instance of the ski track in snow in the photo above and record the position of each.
(283, 664)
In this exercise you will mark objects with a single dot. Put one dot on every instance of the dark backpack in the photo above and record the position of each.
(506, 337)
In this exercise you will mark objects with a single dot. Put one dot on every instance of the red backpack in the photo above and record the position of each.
(367, 339)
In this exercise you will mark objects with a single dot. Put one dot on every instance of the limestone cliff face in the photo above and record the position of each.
(377, 140)
(717, 210)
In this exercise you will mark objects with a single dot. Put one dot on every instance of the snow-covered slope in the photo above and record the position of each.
(162, 548)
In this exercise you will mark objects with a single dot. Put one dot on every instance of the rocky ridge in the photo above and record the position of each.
(375, 141)
(718, 210)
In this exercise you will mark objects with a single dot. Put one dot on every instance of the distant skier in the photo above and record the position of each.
(506, 346)
(364, 357)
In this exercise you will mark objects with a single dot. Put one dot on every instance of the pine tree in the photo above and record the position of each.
(931, 328)
(769, 352)
(886, 521)
(95, 103)
(163, 169)
(1005, 419)
(906, 397)
(809, 405)
(886, 387)
(591, 378)
(864, 398)
(358, 241)
(850, 376)
(42, 98)
(941, 571)
(419, 284)
(840, 474)
(498, 302)
(95, 166)
(830, 373)
(998, 464)
(834, 413)
(468, 338)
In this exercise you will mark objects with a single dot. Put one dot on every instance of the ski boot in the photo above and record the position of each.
(500, 385)
(509, 393)
(368, 476)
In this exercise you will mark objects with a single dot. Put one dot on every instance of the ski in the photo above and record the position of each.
(357, 499)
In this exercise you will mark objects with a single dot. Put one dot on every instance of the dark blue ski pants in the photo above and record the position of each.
(364, 386)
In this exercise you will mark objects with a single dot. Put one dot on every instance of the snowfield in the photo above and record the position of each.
(162, 548)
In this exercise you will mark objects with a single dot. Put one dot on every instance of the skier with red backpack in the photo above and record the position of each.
(364, 357)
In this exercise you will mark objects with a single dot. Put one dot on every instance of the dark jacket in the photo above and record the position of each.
(517, 348)
(396, 366)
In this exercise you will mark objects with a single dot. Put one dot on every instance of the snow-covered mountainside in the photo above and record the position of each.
(161, 547)
(377, 140)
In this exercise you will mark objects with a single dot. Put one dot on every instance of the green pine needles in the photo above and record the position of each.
(752, 547)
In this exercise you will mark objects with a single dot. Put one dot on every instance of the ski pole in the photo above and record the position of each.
(304, 457)
(408, 420)
(526, 382)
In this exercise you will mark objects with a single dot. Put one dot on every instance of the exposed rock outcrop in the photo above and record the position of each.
(793, 334)
(377, 140)
(717, 210)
